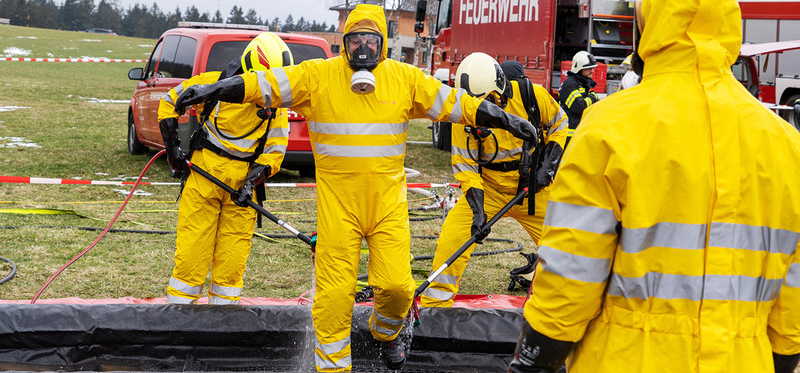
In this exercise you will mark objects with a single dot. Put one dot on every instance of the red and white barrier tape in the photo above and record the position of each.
(68, 60)
(42, 180)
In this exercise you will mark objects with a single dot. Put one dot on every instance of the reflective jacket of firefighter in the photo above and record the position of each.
(359, 143)
(671, 237)
(575, 95)
(212, 229)
(499, 181)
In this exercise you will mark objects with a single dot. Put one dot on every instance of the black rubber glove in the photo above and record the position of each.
(491, 115)
(226, 90)
(546, 170)
(785, 363)
(538, 353)
(474, 198)
(258, 174)
(172, 143)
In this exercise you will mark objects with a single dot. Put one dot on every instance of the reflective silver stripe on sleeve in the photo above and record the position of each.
(564, 124)
(283, 86)
(750, 237)
(446, 279)
(221, 301)
(358, 128)
(574, 267)
(173, 299)
(674, 235)
(438, 294)
(228, 291)
(167, 98)
(793, 276)
(179, 89)
(585, 218)
(455, 115)
(360, 151)
(716, 287)
(461, 167)
(274, 149)
(184, 287)
(438, 102)
(265, 87)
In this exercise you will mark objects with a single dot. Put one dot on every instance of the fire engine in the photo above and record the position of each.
(544, 35)
(770, 32)
(541, 34)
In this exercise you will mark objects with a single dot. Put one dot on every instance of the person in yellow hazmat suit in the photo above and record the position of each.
(491, 185)
(241, 145)
(671, 237)
(358, 106)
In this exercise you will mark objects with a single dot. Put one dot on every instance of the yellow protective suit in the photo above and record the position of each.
(359, 151)
(499, 187)
(212, 229)
(671, 237)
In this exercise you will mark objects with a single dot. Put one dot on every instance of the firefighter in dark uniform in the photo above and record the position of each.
(575, 93)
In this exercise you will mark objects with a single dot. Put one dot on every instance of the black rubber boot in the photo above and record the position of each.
(393, 353)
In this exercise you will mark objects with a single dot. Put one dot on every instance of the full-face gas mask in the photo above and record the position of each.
(363, 52)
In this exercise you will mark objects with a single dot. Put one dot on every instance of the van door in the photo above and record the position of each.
(175, 64)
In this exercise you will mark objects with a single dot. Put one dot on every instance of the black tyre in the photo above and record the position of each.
(134, 146)
(440, 135)
(789, 115)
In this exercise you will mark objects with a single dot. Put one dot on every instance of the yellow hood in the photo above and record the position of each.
(366, 17)
(690, 35)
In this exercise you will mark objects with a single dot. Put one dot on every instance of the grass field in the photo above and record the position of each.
(68, 120)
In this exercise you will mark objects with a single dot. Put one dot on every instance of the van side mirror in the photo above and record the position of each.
(136, 73)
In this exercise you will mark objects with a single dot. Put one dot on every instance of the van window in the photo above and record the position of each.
(302, 52)
(184, 58)
(151, 65)
(223, 52)
(177, 58)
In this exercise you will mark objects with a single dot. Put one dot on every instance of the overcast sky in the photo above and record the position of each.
(311, 10)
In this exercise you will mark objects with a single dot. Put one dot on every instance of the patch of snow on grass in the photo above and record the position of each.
(14, 51)
(12, 108)
(138, 192)
(17, 142)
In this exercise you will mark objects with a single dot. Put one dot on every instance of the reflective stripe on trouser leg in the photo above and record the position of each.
(390, 273)
(179, 292)
(196, 233)
(234, 236)
(338, 252)
(455, 232)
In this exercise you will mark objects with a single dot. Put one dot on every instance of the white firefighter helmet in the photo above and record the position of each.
(582, 60)
(480, 75)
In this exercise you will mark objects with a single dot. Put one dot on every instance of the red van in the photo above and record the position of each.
(197, 47)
